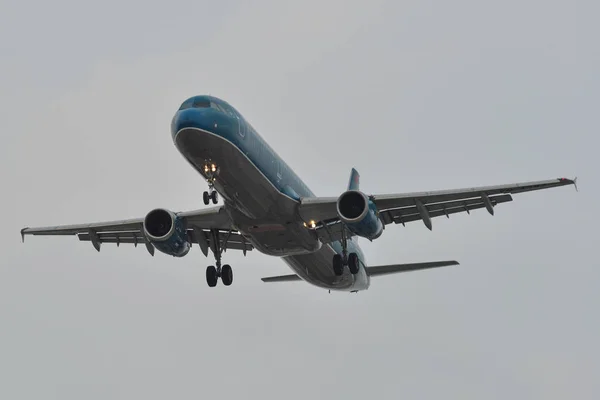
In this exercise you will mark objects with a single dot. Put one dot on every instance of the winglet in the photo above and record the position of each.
(23, 235)
(570, 181)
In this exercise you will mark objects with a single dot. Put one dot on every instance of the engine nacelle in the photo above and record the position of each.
(167, 232)
(359, 214)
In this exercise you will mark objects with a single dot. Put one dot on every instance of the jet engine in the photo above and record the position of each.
(359, 214)
(167, 232)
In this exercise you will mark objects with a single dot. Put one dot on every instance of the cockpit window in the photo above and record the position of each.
(216, 106)
(186, 104)
(223, 109)
(201, 103)
(195, 103)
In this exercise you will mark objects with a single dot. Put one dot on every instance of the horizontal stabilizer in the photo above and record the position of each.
(376, 271)
(282, 278)
(397, 268)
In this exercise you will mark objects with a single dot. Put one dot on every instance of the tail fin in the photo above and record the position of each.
(354, 182)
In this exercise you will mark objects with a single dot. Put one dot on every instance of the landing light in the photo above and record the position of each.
(214, 168)
(312, 224)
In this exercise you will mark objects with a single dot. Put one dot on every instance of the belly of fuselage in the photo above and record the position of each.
(265, 216)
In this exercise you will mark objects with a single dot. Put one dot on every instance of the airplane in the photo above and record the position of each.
(268, 208)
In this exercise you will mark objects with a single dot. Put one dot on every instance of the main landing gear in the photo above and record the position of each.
(213, 273)
(211, 170)
(341, 260)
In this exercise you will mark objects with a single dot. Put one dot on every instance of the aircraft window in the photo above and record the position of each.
(195, 103)
(226, 110)
(201, 103)
(217, 107)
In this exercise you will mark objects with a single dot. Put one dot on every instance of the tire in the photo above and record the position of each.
(206, 198)
(227, 275)
(211, 276)
(353, 263)
(215, 197)
(338, 266)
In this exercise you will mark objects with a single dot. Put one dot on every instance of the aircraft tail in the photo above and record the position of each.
(377, 271)
(354, 182)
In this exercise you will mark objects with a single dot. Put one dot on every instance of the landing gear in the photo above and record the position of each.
(211, 195)
(227, 275)
(211, 276)
(353, 263)
(340, 260)
(211, 170)
(338, 265)
(214, 273)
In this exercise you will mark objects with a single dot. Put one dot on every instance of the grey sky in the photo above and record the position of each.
(415, 95)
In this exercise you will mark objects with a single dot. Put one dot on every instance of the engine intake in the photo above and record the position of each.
(167, 232)
(359, 214)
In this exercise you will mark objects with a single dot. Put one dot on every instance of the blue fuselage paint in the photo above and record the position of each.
(210, 115)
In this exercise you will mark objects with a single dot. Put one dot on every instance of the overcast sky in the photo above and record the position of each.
(416, 95)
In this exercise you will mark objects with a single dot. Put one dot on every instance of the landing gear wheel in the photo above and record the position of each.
(211, 276)
(227, 275)
(353, 263)
(214, 197)
(206, 198)
(338, 266)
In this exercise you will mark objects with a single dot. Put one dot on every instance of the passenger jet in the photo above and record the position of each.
(267, 207)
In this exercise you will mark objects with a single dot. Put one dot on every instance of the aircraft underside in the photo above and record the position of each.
(262, 214)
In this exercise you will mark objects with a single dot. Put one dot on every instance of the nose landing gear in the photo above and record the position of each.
(210, 195)
(211, 170)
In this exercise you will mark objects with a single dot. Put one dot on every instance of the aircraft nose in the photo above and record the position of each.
(192, 118)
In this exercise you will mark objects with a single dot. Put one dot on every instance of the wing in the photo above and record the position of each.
(204, 227)
(423, 206)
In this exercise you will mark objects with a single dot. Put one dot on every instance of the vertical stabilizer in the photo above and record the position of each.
(354, 183)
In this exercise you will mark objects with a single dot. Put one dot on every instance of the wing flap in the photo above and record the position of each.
(121, 237)
(227, 239)
(233, 241)
(409, 214)
(398, 268)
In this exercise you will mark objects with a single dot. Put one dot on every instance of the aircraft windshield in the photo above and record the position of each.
(203, 102)
(195, 102)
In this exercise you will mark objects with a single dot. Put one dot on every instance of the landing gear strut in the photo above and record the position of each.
(340, 260)
(211, 170)
(213, 273)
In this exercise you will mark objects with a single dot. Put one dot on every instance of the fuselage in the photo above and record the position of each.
(260, 191)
